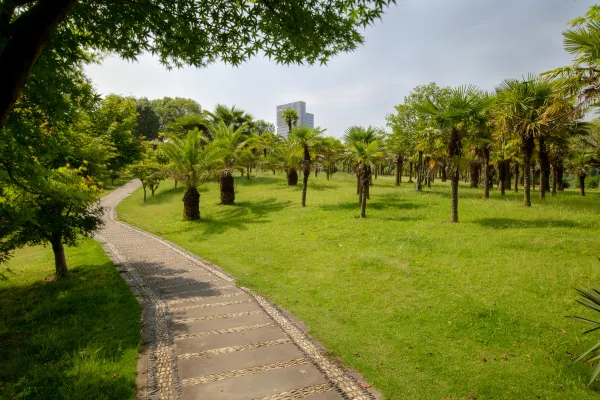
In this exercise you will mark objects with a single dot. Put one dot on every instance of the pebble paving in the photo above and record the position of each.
(210, 339)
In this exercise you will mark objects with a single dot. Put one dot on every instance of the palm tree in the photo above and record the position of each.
(520, 109)
(287, 155)
(306, 138)
(233, 143)
(365, 155)
(229, 116)
(193, 163)
(328, 154)
(580, 162)
(454, 113)
(359, 134)
(290, 118)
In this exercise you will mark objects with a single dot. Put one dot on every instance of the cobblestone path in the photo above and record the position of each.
(210, 339)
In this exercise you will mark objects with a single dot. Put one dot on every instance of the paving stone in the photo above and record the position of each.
(198, 312)
(203, 326)
(228, 339)
(256, 386)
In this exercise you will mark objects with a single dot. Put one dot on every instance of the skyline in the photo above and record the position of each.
(461, 42)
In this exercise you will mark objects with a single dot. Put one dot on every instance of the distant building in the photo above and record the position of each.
(304, 118)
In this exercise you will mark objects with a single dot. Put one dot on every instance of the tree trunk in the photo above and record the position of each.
(306, 174)
(527, 150)
(502, 174)
(486, 171)
(366, 177)
(444, 177)
(517, 177)
(554, 180)
(582, 184)
(60, 261)
(144, 187)
(292, 177)
(559, 175)
(30, 33)
(544, 167)
(474, 178)
(454, 183)
(398, 170)
(328, 172)
(419, 185)
(273, 171)
(191, 204)
(316, 172)
(410, 173)
(226, 182)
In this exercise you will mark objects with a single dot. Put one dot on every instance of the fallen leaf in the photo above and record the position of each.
(364, 385)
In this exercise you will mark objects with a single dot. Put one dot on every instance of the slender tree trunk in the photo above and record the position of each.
(486, 171)
(559, 175)
(60, 261)
(306, 174)
(144, 187)
(582, 184)
(316, 172)
(419, 185)
(29, 35)
(474, 178)
(517, 177)
(454, 183)
(226, 182)
(444, 177)
(527, 150)
(502, 173)
(544, 162)
(191, 204)
(273, 171)
(365, 184)
(398, 163)
(554, 180)
(410, 173)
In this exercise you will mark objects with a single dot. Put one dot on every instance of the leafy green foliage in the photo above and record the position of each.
(148, 122)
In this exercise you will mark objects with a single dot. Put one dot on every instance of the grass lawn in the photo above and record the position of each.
(423, 308)
(69, 339)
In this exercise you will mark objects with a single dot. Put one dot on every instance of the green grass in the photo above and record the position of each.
(68, 339)
(423, 308)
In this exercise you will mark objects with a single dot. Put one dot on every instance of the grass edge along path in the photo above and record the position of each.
(75, 338)
(423, 308)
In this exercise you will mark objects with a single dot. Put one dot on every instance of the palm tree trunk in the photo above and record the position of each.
(527, 150)
(226, 182)
(419, 185)
(474, 176)
(306, 174)
(502, 177)
(365, 184)
(486, 171)
(517, 177)
(559, 175)
(60, 261)
(582, 184)
(554, 180)
(292, 177)
(454, 183)
(191, 204)
(544, 167)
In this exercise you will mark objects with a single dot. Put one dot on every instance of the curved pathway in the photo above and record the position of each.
(208, 338)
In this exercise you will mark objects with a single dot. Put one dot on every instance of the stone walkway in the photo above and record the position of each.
(208, 338)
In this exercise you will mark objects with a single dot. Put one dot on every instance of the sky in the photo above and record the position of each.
(451, 42)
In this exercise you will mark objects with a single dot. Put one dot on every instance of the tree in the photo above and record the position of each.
(116, 119)
(261, 127)
(359, 134)
(147, 170)
(193, 163)
(232, 142)
(148, 122)
(50, 164)
(192, 32)
(170, 109)
(454, 114)
(519, 111)
(328, 154)
(364, 154)
(290, 118)
(306, 138)
(287, 155)
(230, 116)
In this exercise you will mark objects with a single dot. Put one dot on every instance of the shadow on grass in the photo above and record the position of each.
(71, 339)
(238, 216)
(379, 202)
(510, 223)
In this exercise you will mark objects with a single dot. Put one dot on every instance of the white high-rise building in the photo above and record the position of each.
(304, 118)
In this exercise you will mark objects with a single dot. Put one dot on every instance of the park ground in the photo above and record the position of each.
(75, 338)
(422, 308)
